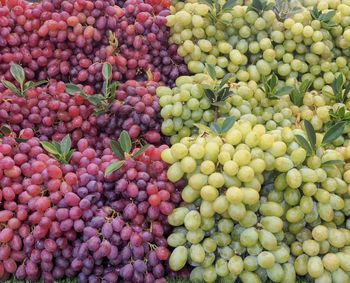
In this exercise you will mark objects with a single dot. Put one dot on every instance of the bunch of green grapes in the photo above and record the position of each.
(186, 105)
(251, 44)
(237, 223)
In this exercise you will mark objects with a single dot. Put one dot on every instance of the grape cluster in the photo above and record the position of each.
(253, 41)
(135, 109)
(38, 211)
(50, 112)
(259, 206)
(68, 40)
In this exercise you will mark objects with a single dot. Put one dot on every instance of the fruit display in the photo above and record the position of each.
(175, 141)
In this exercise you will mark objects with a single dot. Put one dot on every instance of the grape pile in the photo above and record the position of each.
(69, 40)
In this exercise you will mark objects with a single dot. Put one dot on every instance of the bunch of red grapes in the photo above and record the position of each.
(69, 40)
(68, 217)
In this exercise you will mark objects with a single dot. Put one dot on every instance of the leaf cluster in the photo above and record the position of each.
(298, 92)
(60, 151)
(309, 143)
(271, 89)
(218, 94)
(102, 101)
(341, 89)
(122, 149)
(6, 131)
(338, 115)
(260, 6)
(216, 129)
(283, 9)
(324, 18)
(18, 74)
(216, 9)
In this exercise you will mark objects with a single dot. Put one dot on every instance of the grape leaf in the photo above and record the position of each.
(125, 141)
(211, 71)
(118, 151)
(304, 143)
(141, 150)
(18, 73)
(114, 167)
(311, 134)
(333, 133)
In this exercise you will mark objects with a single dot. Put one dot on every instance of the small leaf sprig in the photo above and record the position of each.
(309, 143)
(6, 131)
(102, 101)
(18, 74)
(122, 149)
(216, 129)
(271, 89)
(298, 92)
(60, 151)
(324, 18)
(217, 9)
(338, 115)
(284, 9)
(341, 89)
(260, 6)
(218, 94)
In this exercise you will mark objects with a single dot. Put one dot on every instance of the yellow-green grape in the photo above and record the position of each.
(195, 237)
(275, 273)
(220, 204)
(311, 247)
(221, 267)
(315, 267)
(175, 172)
(209, 274)
(192, 220)
(209, 245)
(249, 237)
(177, 217)
(188, 164)
(267, 240)
(176, 239)
(236, 265)
(301, 264)
(197, 151)
(231, 168)
(197, 253)
(178, 258)
(344, 261)
(289, 273)
(266, 259)
(216, 180)
(197, 274)
(250, 277)
(197, 181)
(271, 209)
(272, 223)
(281, 254)
(236, 211)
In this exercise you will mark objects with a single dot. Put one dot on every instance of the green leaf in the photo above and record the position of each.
(11, 87)
(5, 130)
(72, 89)
(125, 141)
(347, 90)
(215, 128)
(112, 89)
(325, 17)
(140, 151)
(315, 13)
(50, 148)
(65, 145)
(107, 71)
(219, 103)
(114, 167)
(211, 71)
(118, 151)
(94, 100)
(30, 84)
(304, 86)
(225, 79)
(208, 2)
(273, 81)
(337, 86)
(69, 155)
(209, 94)
(311, 134)
(18, 73)
(56, 145)
(20, 140)
(332, 162)
(304, 143)
(256, 5)
(269, 6)
(227, 95)
(333, 133)
(228, 5)
(284, 90)
(203, 128)
(228, 123)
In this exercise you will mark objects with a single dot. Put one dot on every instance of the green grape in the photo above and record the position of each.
(178, 258)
